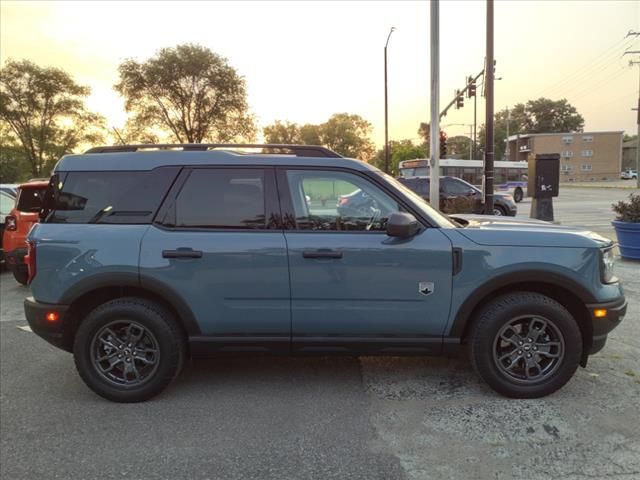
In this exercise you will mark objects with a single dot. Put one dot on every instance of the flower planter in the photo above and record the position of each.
(628, 238)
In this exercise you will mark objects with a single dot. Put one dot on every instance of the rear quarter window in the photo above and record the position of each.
(130, 197)
(30, 199)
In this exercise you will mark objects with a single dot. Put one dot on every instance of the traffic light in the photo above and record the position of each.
(459, 99)
(471, 90)
(443, 144)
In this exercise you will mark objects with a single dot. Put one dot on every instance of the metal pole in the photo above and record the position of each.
(475, 120)
(386, 107)
(489, 141)
(507, 147)
(434, 194)
(470, 143)
(638, 137)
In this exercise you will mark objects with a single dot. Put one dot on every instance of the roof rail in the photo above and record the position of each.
(297, 150)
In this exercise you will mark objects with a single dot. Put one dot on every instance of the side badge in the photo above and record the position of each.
(425, 288)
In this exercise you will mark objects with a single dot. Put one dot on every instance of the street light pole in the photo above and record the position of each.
(386, 107)
(489, 139)
(434, 194)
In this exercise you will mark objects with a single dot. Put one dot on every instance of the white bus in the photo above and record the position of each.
(509, 177)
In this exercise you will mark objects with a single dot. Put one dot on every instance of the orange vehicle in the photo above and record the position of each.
(17, 225)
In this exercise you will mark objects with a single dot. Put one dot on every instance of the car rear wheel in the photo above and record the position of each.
(525, 345)
(129, 349)
(21, 276)
(517, 195)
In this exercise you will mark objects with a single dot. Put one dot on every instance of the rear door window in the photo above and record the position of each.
(222, 198)
(110, 197)
(30, 199)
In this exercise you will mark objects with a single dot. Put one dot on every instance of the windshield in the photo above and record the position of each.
(419, 203)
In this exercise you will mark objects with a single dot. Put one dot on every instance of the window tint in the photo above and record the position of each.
(337, 201)
(456, 187)
(30, 199)
(110, 197)
(222, 198)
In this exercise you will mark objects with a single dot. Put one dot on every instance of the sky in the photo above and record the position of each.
(304, 61)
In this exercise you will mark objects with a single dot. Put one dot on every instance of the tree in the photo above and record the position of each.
(190, 91)
(43, 110)
(348, 135)
(399, 151)
(282, 132)
(536, 116)
(458, 146)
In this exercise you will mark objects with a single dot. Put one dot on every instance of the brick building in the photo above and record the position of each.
(584, 157)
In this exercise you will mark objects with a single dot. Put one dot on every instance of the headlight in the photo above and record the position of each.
(608, 260)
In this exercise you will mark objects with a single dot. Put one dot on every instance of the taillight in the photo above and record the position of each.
(30, 260)
(11, 223)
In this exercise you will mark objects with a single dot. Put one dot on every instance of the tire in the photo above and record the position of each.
(517, 195)
(557, 344)
(21, 276)
(499, 211)
(147, 336)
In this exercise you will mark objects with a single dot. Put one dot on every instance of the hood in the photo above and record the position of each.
(505, 231)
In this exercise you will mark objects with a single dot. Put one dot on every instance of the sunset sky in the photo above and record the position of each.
(304, 61)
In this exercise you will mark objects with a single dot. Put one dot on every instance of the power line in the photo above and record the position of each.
(595, 64)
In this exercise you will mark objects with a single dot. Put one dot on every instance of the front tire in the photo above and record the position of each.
(525, 345)
(129, 349)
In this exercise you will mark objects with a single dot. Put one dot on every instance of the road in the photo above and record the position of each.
(321, 418)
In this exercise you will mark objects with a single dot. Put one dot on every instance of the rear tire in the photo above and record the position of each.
(129, 349)
(525, 345)
(499, 211)
(517, 195)
(21, 276)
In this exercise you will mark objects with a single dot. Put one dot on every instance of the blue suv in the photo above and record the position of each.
(149, 254)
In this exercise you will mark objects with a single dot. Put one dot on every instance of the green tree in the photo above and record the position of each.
(43, 110)
(458, 146)
(348, 135)
(536, 116)
(189, 91)
(311, 134)
(399, 150)
(282, 132)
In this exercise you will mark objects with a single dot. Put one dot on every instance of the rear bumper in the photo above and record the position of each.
(15, 259)
(602, 326)
(58, 332)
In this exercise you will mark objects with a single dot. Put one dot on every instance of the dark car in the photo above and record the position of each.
(458, 196)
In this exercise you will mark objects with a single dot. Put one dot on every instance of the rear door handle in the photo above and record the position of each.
(321, 253)
(182, 253)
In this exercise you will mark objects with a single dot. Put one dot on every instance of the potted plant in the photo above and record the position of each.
(627, 226)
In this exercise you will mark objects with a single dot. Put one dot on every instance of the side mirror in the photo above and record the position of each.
(402, 225)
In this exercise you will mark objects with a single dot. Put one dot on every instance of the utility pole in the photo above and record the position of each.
(637, 62)
(489, 141)
(386, 107)
(506, 151)
(475, 122)
(434, 194)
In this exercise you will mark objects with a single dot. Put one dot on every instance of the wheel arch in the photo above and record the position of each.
(565, 291)
(100, 289)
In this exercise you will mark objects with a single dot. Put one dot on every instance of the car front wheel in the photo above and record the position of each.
(525, 345)
(129, 349)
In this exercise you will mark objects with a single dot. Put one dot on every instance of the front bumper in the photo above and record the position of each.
(58, 332)
(602, 326)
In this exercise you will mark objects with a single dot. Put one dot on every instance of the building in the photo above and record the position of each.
(629, 154)
(584, 157)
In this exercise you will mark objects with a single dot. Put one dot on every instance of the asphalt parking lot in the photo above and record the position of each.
(317, 418)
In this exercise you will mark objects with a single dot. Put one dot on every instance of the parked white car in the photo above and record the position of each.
(629, 175)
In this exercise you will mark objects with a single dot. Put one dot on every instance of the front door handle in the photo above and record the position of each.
(182, 253)
(322, 253)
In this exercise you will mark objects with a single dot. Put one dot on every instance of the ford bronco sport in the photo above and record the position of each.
(147, 255)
